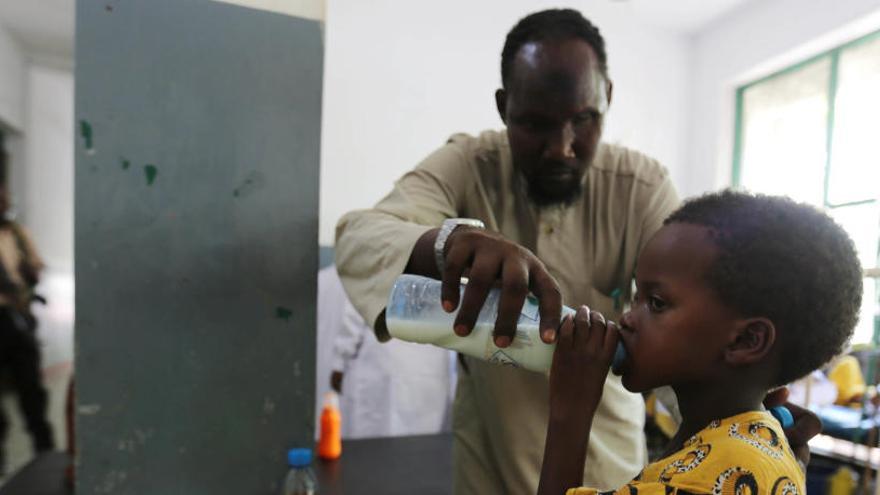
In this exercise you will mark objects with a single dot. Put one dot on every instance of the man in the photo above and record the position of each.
(565, 217)
(20, 267)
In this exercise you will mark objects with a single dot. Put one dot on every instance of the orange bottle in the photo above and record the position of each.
(330, 440)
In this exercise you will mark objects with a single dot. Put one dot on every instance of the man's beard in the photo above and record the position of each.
(545, 195)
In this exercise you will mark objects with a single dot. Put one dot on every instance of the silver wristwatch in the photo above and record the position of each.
(448, 226)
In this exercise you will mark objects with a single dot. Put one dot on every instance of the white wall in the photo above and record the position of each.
(401, 77)
(46, 203)
(756, 40)
(12, 69)
(43, 193)
(310, 9)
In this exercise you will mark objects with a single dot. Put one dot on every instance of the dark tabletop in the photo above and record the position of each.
(376, 466)
(42, 476)
(389, 466)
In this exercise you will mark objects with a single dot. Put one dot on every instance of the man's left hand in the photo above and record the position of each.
(806, 424)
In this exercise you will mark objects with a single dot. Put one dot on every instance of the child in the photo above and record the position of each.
(737, 294)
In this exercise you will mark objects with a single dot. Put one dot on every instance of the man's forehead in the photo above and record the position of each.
(552, 55)
(564, 70)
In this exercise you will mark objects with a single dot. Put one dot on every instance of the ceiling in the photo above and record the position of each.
(688, 16)
(45, 28)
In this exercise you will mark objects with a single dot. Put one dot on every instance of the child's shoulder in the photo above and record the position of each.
(746, 453)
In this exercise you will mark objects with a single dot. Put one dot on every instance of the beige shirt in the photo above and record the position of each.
(590, 247)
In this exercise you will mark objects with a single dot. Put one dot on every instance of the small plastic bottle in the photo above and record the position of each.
(330, 439)
(300, 479)
(843, 482)
(415, 314)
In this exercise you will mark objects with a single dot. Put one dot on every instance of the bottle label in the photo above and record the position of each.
(501, 358)
(530, 309)
(495, 355)
(521, 341)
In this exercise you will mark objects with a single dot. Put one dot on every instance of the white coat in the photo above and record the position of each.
(389, 389)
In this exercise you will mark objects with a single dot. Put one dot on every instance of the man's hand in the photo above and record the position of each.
(806, 424)
(489, 260)
(336, 381)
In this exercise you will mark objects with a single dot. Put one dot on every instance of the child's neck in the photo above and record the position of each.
(699, 407)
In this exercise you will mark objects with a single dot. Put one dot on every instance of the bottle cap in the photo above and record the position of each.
(299, 457)
(331, 400)
(618, 359)
(783, 415)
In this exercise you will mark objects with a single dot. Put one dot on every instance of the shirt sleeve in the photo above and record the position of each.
(373, 246)
(636, 487)
(659, 204)
(348, 339)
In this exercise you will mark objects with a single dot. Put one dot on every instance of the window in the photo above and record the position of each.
(812, 132)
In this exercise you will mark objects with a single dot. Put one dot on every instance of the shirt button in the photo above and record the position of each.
(549, 229)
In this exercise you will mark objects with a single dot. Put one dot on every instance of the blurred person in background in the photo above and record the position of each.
(20, 267)
(390, 389)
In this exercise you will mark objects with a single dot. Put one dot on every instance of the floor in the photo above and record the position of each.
(56, 335)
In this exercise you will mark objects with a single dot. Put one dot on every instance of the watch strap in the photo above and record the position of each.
(449, 225)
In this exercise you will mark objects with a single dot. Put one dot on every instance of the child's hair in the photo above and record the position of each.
(785, 261)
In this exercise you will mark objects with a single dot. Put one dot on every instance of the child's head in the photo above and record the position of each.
(734, 283)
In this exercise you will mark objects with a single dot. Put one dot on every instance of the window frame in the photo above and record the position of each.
(834, 55)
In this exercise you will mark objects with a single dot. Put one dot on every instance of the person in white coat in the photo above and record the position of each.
(331, 297)
(387, 389)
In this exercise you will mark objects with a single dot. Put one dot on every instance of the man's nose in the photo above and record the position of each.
(560, 144)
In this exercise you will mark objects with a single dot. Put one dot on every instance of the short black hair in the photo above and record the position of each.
(552, 24)
(785, 261)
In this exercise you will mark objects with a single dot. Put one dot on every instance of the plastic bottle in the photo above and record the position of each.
(783, 415)
(330, 440)
(415, 314)
(842, 482)
(300, 479)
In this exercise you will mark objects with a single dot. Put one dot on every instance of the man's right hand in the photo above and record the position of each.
(489, 259)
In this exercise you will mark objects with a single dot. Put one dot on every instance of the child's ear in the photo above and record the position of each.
(753, 340)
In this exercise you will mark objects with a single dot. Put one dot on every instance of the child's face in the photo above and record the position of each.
(677, 328)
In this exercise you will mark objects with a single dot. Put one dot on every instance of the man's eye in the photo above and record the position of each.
(656, 304)
(534, 125)
(584, 118)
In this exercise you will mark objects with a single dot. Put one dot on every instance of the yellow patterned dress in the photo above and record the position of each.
(746, 454)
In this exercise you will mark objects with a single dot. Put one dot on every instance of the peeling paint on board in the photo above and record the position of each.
(112, 480)
(283, 313)
(89, 409)
(150, 171)
(85, 130)
(251, 183)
